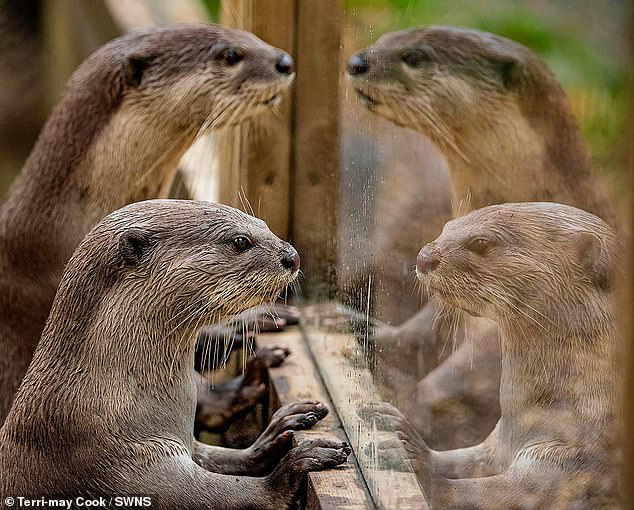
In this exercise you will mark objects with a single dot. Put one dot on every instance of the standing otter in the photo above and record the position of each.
(125, 317)
(505, 126)
(125, 118)
(546, 273)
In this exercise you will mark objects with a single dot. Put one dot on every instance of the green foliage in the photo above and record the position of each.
(213, 8)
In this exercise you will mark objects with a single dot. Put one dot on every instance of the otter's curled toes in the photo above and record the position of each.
(311, 455)
(274, 442)
(546, 273)
(126, 426)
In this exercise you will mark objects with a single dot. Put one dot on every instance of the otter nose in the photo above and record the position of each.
(426, 262)
(284, 64)
(358, 64)
(290, 260)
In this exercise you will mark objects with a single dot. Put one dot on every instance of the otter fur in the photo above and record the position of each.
(107, 405)
(125, 118)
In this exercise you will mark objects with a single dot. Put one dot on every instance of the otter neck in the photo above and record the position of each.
(520, 155)
(131, 158)
(564, 379)
(126, 353)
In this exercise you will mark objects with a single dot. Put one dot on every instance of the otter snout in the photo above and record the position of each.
(358, 64)
(284, 64)
(426, 261)
(290, 259)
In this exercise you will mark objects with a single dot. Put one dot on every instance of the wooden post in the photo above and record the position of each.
(255, 159)
(288, 167)
(628, 316)
(72, 30)
(316, 145)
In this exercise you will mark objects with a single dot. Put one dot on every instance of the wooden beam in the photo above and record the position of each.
(627, 317)
(297, 378)
(316, 145)
(350, 387)
(255, 159)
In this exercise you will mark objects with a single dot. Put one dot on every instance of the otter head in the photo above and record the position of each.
(171, 266)
(537, 264)
(206, 261)
(204, 76)
(133, 108)
(432, 79)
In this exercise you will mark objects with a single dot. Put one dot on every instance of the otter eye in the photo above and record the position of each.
(416, 57)
(231, 57)
(478, 245)
(242, 243)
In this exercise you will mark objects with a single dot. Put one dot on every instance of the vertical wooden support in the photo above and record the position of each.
(72, 30)
(316, 144)
(628, 315)
(255, 159)
(288, 166)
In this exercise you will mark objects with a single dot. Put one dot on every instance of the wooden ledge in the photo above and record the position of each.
(342, 488)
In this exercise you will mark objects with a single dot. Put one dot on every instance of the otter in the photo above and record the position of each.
(126, 425)
(507, 131)
(546, 273)
(125, 118)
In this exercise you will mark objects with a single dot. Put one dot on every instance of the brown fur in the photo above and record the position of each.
(124, 119)
(495, 110)
(547, 276)
(505, 126)
(125, 317)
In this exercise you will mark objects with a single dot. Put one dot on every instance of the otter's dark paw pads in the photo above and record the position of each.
(318, 454)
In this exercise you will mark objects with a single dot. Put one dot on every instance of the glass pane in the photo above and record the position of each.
(436, 123)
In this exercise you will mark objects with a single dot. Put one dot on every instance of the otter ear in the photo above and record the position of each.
(593, 260)
(510, 70)
(134, 245)
(134, 68)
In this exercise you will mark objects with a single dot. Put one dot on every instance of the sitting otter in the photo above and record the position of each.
(507, 131)
(546, 273)
(125, 118)
(125, 317)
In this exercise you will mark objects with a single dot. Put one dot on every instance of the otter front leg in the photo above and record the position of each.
(177, 483)
(267, 450)
(540, 487)
(478, 460)
(218, 407)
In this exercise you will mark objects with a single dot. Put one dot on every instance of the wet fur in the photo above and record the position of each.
(107, 405)
(548, 278)
(124, 119)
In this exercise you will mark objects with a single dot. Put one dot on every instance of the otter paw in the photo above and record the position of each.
(314, 455)
(385, 415)
(273, 443)
(297, 415)
(389, 455)
(273, 356)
